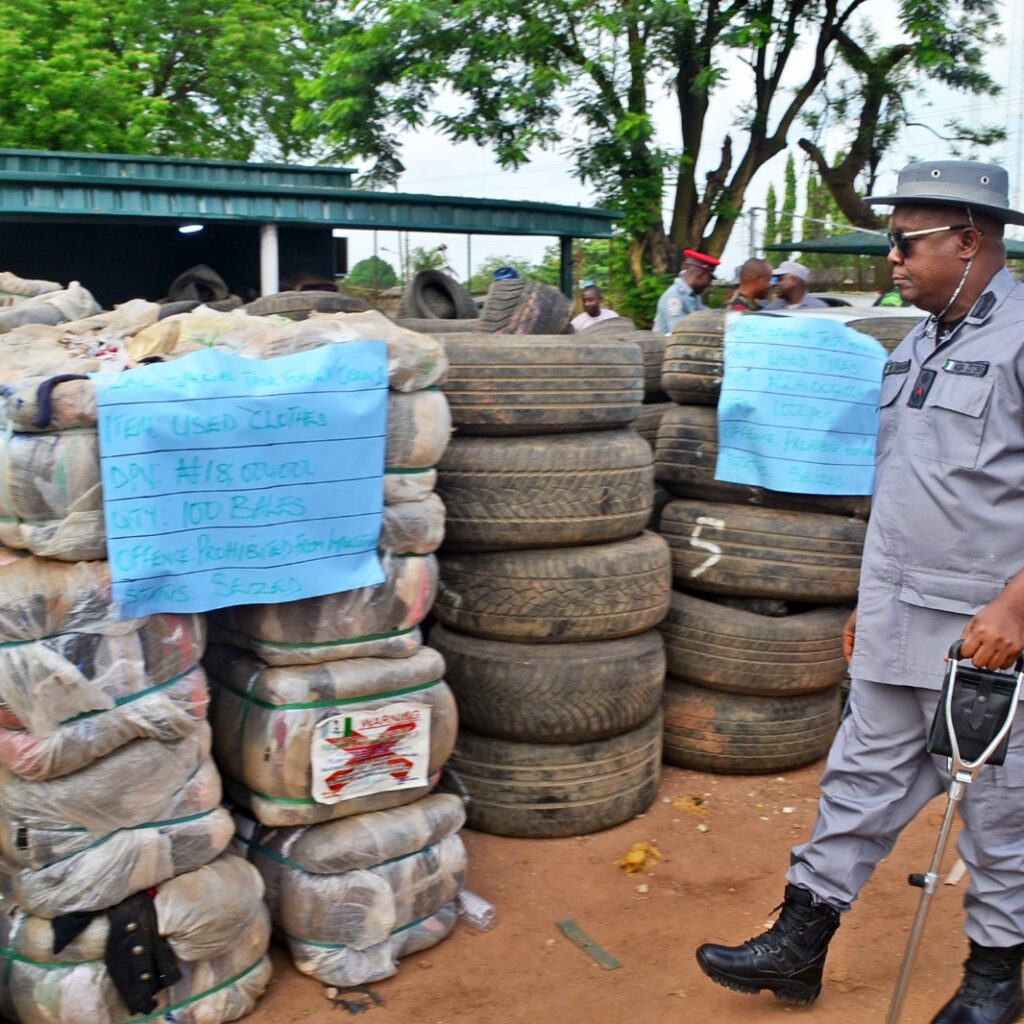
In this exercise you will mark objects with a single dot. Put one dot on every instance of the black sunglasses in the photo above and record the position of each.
(900, 240)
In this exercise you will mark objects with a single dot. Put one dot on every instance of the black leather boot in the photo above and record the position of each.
(787, 959)
(991, 991)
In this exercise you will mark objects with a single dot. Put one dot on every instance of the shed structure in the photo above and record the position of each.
(113, 222)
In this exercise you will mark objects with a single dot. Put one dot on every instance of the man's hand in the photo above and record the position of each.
(994, 638)
(849, 634)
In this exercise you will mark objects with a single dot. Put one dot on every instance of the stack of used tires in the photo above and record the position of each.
(550, 592)
(111, 828)
(353, 882)
(763, 585)
(436, 304)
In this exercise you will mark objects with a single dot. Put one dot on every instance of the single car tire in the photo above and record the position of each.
(685, 456)
(536, 694)
(732, 734)
(759, 552)
(737, 651)
(298, 305)
(518, 306)
(543, 791)
(498, 385)
(694, 359)
(548, 491)
(651, 345)
(557, 595)
(426, 326)
(432, 295)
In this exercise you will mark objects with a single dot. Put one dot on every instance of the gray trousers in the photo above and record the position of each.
(878, 776)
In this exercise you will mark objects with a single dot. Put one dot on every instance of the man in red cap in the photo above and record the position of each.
(683, 295)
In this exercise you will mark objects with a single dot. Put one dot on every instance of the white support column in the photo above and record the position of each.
(269, 270)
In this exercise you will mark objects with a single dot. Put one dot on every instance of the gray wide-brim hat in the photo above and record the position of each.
(983, 187)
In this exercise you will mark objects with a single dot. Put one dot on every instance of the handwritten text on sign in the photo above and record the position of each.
(798, 410)
(238, 481)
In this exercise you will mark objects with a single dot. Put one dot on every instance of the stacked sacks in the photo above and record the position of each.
(108, 791)
(764, 583)
(550, 591)
(285, 675)
(204, 933)
(352, 897)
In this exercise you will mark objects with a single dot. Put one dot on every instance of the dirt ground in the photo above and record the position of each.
(718, 885)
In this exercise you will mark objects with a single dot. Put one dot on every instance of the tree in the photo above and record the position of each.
(204, 78)
(771, 214)
(582, 73)
(869, 95)
(788, 202)
(429, 259)
(373, 272)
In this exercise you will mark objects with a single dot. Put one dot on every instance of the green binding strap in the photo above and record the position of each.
(282, 646)
(403, 470)
(166, 1011)
(339, 945)
(317, 704)
(288, 863)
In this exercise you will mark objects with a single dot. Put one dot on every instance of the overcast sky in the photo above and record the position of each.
(436, 166)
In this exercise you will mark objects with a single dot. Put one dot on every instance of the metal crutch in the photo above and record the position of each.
(962, 772)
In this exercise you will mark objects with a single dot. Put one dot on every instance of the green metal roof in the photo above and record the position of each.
(38, 185)
(866, 243)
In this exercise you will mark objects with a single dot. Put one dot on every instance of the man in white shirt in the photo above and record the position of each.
(592, 311)
(791, 288)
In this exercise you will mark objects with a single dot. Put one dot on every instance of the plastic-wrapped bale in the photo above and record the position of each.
(217, 926)
(415, 361)
(371, 622)
(143, 814)
(352, 897)
(413, 527)
(75, 683)
(51, 498)
(265, 719)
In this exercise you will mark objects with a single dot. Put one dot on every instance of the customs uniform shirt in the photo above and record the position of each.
(678, 300)
(946, 531)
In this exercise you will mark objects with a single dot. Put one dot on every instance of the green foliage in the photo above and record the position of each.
(373, 272)
(207, 78)
(788, 202)
(771, 223)
(429, 259)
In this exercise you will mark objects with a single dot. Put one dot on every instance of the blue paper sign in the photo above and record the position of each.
(239, 481)
(798, 410)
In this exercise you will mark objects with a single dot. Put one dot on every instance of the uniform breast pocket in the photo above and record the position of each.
(888, 411)
(950, 426)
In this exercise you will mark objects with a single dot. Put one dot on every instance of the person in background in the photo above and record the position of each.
(942, 560)
(755, 283)
(791, 288)
(593, 312)
(683, 295)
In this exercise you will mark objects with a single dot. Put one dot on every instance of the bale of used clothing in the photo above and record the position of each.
(415, 361)
(202, 939)
(352, 897)
(24, 287)
(165, 712)
(413, 527)
(51, 502)
(265, 720)
(63, 654)
(142, 814)
(51, 497)
(379, 621)
(57, 307)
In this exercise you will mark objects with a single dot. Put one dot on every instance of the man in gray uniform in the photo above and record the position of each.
(943, 559)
